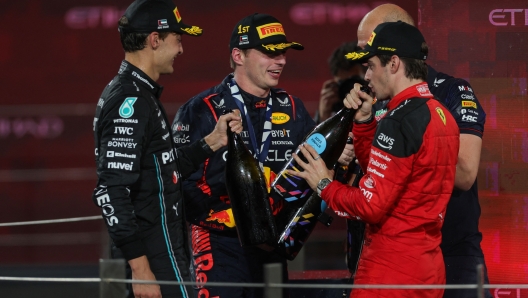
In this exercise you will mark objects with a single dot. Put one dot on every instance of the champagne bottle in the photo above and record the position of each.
(328, 139)
(355, 233)
(246, 187)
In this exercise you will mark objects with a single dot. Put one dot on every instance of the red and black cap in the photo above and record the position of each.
(147, 16)
(263, 32)
(392, 38)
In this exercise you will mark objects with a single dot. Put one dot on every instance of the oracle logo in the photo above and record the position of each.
(498, 17)
(318, 13)
(89, 17)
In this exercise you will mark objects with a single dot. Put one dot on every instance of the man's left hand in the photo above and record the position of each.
(314, 170)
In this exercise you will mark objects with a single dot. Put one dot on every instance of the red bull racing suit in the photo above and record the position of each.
(217, 253)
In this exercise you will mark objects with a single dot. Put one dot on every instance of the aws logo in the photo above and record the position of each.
(279, 118)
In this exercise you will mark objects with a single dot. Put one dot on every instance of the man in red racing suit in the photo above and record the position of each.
(409, 159)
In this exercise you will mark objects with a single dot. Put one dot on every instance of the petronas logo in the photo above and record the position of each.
(127, 108)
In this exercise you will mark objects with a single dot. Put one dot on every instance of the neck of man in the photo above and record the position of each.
(247, 85)
(403, 83)
(143, 60)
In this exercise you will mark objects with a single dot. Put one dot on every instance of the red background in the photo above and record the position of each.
(56, 57)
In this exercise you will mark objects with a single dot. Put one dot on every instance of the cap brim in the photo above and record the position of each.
(359, 56)
(272, 48)
(189, 30)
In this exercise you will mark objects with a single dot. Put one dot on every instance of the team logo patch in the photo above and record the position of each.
(261, 104)
(423, 89)
(270, 29)
(441, 114)
(127, 107)
(355, 55)
(224, 217)
(371, 39)
(279, 118)
(469, 104)
(369, 181)
(177, 14)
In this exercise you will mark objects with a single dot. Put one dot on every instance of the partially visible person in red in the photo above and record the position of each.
(409, 159)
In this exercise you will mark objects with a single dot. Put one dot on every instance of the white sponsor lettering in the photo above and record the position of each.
(163, 125)
(341, 213)
(95, 122)
(108, 210)
(289, 143)
(380, 155)
(121, 120)
(123, 130)
(284, 103)
(165, 136)
(119, 154)
(122, 144)
(378, 164)
(465, 88)
(120, 166)
(182, 140)
(100, 103)
(465, 96)
(142, 79)
(469, 118)
(281, 133)
(399, 107)
(273, 155)
(180, 127)
(498, 15)
(386, 140)
(167, 157)
(366, 193)
(375, 172)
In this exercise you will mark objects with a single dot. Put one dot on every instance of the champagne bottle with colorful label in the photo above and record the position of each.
(246, 187)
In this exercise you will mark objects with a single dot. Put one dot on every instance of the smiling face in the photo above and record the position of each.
(169, 49)
(257, 72)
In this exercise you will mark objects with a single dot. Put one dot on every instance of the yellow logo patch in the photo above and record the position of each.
(441, 114)
(355, 55)
(270, 30)
(279, 118)
(193, 30)
(177, 14)
(386, 49)
(371, 39)
(280, 46)
(469, 104)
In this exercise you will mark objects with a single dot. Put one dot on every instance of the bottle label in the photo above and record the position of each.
(318, 142)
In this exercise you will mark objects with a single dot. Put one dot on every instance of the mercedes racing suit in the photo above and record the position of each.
(217, 253)
(410, 161)
(138, 185)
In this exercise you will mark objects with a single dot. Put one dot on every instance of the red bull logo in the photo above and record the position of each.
(224, 217)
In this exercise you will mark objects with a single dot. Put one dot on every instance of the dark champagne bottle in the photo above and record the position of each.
(246, 187)
(303, 207)
(355, 233)
(328, 139)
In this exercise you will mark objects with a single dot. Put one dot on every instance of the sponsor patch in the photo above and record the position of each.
(369, 181)
(261, 104)
(177, 14)
(225, 217)
(127, 107)
(469, 104)
(270, 29)
(243, 40)
(279, 118)
(371, 39)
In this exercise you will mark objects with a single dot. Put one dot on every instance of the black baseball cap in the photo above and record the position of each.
(392, 38)
(263, 32)
(147, 16)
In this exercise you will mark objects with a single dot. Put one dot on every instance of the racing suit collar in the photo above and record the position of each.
(140, 77)
(431, 75)
(418, 90)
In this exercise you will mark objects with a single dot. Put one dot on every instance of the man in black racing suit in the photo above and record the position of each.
(138, 167)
